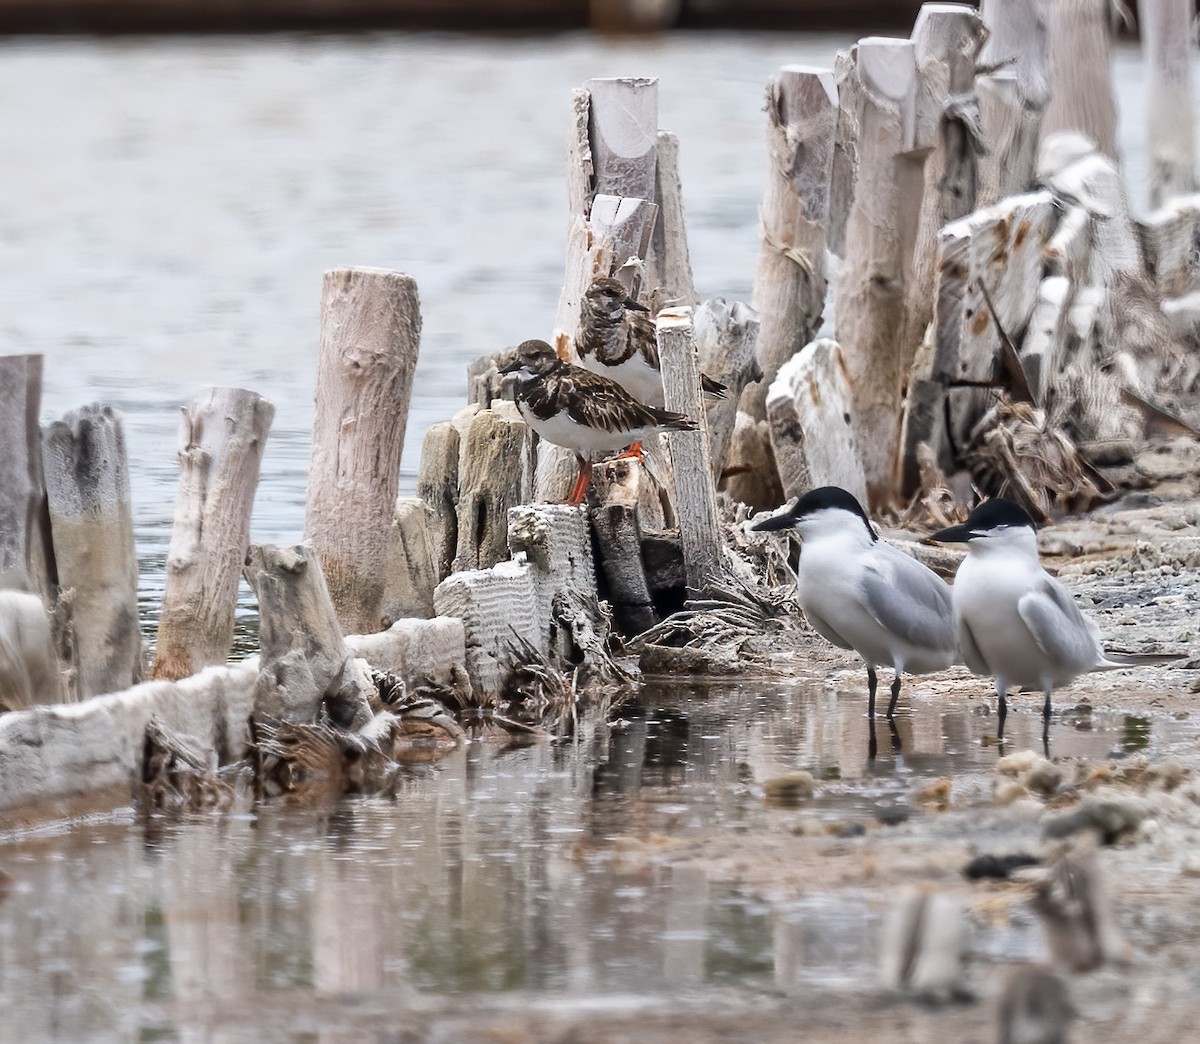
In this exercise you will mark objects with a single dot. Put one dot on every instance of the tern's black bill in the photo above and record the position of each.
(767, 525)
(954, 534)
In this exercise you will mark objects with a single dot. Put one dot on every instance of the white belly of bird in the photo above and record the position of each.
(561, 430)
(642, 381)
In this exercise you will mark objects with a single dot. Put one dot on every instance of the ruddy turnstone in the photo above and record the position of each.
(581, 410)
(617, 340)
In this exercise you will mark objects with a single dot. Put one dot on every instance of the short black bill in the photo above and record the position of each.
(954, 534)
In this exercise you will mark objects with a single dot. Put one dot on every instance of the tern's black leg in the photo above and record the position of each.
(1046, 723)
(1002, 711)
(895, 695)
(872, 685)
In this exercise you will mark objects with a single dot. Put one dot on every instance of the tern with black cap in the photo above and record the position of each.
(863, 594)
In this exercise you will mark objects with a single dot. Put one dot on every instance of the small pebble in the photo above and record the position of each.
(891, 815)
(789, 789)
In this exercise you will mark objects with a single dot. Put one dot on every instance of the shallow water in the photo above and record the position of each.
(497, 872)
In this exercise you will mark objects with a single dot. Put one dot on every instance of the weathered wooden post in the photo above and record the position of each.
(1081, 98)
(305, 660)
(26, 557)
(437, 486)
(87, 488)
(28, 666)
(614, 516)
(1166, 29)
(880, 234)
(726, 336)
(370, 337)
(699, 528)
(412, 571)
(1012, 98)
(670, 262)
(789, 282)
(221, 440)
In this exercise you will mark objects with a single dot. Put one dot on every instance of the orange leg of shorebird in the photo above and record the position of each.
(633, 453)
(582, 481)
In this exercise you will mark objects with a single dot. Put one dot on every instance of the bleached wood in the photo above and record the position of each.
(221, 439)
(87, 487)
(670, 263)
(557, 544)
(843, 175)
(1169, 236)
(437, 486)
(790, 281)
(496, 473)
(416, 651)
(1043, 345)
(1167, 44)
(1009, 125)
(1068, 252)
(370, 337)
(28, 665)
(74, 759)
(1183, 317)
(628, 223)
(923, 945)
(880, 233)
(613, 508)
(623, 134)
(726, 340)
(946, 41)
(1017, 41)
(304, 662)
(1079, 40)
(808, 412)
(25, 549)
(581, 172)
(496, 606)
(412, 571)
(695, 492)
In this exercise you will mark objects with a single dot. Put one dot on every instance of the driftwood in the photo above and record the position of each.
(726, 336)
(370, 336)
(880, 233)
(26, 555)
(628, 225)
(789, 282)
(305, 665)
(669, 264)
(412, 571)
(87, 487)
(613, 507)
(437, 487)
(1041, 351)
(418, 652)
(495, 474)
(694, 488)
(750, 475)
(495, 605)
(808, 412)
(1169, 235)
(923, 944)
(1166, 31)
(28, 665)
(1009, 125)
(623, 134)
(221, 439)
(1079, 38)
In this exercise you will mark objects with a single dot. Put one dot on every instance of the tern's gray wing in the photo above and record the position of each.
(1058, 628)
(825, 631)
(968, 649)
(910, 600)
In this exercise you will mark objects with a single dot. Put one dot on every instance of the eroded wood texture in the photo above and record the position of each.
(87, 488)
(221, 439)
(670, 262)
(28, 665)
(613, 507)
(370, 337)
(26, 556)
(1167, 44)
(412, 570)
(437, 486)
(726, 339)
(790, 280)
(1079, 35)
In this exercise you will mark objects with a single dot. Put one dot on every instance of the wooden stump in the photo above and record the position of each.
(1044, 342)
(1010, 125)
(497, 606)
(613, 507)
(1081, 99)
(1016, 40)
(623, 135)
(1169, 236)
(670, 263)
(437, 486)
(221, 440)
(26, 555)
(416, 651)
(87, 487)
(695, 491)
(808, 412)
(789, 282)
(750, 475)
(304, 661)
(880, 234)
(28, 666)
(412, 571)
(1166, 29)
(370, 336)
(726, 338)
(495, 474)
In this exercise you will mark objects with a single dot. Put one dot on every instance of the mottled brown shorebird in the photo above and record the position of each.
(582, 411)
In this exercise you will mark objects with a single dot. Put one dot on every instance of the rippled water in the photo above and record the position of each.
(497, 872)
